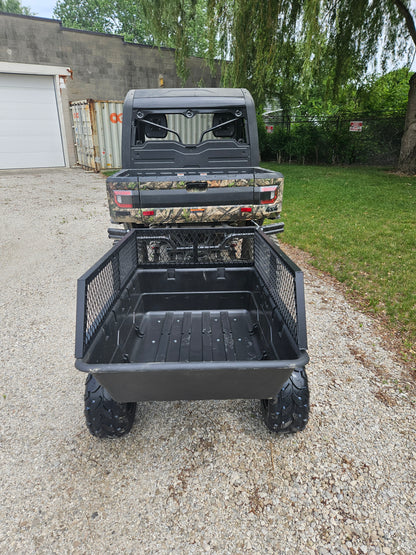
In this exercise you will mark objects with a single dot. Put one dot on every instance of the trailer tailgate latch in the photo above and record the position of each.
(220, 273)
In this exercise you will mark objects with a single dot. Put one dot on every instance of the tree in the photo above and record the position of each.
(142, 21)
(407, 161)
(283, 47)
(356, 29)
(14, 6)
(276, 48)
(181, 24)
(385, 95)
(123, 17)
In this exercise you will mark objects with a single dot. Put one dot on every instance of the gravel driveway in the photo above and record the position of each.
(191, 476)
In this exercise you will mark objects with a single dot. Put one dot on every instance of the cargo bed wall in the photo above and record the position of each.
(184, 196)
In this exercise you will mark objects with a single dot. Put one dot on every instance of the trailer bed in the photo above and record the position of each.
(196, 336)
(192, 314)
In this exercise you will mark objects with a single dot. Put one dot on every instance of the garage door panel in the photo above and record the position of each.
(42, 114)
(30, 134)
(31, 160)
(21, 94)
(27, 144)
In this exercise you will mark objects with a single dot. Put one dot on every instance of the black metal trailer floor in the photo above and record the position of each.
(196, 336)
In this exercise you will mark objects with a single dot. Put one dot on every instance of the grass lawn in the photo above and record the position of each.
(359, 224)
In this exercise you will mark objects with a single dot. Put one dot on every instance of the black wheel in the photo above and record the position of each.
(288, 412)
(104, 416)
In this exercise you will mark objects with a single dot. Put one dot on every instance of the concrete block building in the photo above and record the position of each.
(44, 66)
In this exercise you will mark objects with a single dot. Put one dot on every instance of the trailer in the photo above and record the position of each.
(192, 313)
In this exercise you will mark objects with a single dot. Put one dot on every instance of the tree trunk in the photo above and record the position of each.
(407, 160)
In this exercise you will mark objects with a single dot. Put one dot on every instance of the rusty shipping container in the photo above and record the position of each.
(97, 130)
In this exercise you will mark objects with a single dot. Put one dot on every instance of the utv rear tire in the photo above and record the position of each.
(104, 416)
(288, 412)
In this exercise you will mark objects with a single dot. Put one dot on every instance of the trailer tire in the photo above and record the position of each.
(288, 412)
(104, 416)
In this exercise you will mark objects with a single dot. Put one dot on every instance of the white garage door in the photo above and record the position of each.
(30, 134)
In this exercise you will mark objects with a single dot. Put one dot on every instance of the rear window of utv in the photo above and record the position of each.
(189, 127)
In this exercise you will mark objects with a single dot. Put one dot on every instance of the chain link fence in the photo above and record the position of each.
(343, 139)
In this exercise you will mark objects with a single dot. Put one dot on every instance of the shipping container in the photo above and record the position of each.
(97, 130)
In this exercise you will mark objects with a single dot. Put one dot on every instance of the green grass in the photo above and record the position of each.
(107, 173)
(359, 224)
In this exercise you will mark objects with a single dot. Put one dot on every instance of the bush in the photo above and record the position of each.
(329, 140)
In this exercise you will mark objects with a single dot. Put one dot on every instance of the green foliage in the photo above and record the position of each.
(123, 17)
(387, 94)
(260, 37)
(313, 51)
(289, 49)
(318, 132)
(328, 140)
(359, 225)
(179, 24)
(14, 6)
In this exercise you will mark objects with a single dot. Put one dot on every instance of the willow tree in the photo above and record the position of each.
(362, 35)
(252, 38)
(180, 24)
(280, 47)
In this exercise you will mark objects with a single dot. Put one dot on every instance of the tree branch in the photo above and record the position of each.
(410, 23)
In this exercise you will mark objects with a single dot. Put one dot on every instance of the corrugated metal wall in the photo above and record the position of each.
(97, 131)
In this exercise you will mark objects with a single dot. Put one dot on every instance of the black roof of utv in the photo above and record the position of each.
(189, 98)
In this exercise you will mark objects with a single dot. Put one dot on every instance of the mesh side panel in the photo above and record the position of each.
(280, 279)
(103, 285)
(100, 294)
(190, 247)
(127, 260)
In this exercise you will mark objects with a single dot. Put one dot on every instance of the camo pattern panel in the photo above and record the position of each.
(211, 214)
(211, 183)
(208, 214)
(118, 214)
(266, 181)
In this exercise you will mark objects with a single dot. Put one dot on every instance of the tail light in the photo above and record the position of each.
(268, 195)
(123, 199)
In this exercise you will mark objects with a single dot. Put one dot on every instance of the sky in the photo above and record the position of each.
(42, 8)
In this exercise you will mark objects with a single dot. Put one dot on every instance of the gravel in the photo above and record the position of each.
(191, 476)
